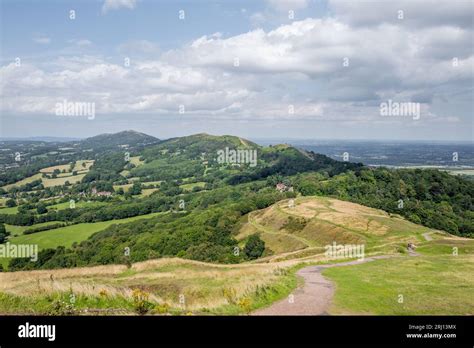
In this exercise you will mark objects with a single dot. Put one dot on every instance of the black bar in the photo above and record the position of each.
(243, 330)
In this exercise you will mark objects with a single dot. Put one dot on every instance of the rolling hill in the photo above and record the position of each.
(124, 139)
(231, 236)
(240, 288)
(305, 227)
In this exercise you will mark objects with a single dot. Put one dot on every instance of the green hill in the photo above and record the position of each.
(123, 139)
(312, 223)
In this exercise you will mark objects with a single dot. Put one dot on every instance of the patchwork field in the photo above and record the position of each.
(81, 167)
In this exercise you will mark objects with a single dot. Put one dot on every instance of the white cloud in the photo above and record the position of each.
(299, 64)
(110, 5)
(415, 13)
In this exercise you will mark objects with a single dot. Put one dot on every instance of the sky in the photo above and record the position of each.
(300, 69)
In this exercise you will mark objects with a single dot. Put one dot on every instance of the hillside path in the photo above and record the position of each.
(315, 296)
(427, 236)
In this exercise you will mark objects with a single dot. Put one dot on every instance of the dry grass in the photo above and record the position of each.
(60, 167)
(62, 180)
(355, 221)
(23, 182)
(354, 208)
(164, 279)
(88, 164)
(303, 207)
(330, 220)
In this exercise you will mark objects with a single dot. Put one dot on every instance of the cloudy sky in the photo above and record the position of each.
(260, 69)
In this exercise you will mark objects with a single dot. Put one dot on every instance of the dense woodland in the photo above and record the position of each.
(430, 197)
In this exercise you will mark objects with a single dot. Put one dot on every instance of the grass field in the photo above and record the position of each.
(79, 167)
(150, 182)
(60, 167)
(78, 204)
(47, 182)
(59, 206)
(12, 210)
(147, 192)
(66, 236)
(136, 161)
(24, 181)
(18, 230)
(62, 180)
(430, 285)
(125, 187)
(189, 187)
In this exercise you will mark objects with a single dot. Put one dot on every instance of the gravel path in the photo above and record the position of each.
(314, 298)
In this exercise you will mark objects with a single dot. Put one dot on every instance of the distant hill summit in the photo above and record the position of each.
(128, 138)
(210, 142)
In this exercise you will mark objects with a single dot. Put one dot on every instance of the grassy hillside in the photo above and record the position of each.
(314, 222)
(429, 285)
(126, 138)
(171, 285)
(434, 282)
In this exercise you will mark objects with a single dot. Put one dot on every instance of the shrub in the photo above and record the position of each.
(254, 247)
(60, 307)
(161, 308)
(43, 228)
(10, 203)
(140, 302)
(294, 224)
(245, 304)
(41, 209)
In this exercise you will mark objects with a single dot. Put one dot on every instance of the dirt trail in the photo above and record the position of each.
(427, 236)
(316, 294)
